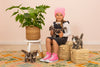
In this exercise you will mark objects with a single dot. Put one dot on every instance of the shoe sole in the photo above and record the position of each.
(42, 60)
(47, 61)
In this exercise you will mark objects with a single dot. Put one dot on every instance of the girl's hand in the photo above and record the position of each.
(51, 32)
(61, 34)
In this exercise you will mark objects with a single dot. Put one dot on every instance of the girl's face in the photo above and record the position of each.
(59, 17)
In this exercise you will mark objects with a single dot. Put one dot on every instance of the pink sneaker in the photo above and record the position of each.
(53, 58)
(48, 55)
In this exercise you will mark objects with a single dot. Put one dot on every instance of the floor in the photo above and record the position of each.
(16, 59)
(33, 47)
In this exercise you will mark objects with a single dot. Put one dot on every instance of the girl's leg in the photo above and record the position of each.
(48, 45)
(55, 46)
(48, 48)
(55, 53)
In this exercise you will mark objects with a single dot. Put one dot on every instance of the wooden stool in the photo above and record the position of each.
(35, 41)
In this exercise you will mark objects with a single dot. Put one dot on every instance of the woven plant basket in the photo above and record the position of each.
(32, 33)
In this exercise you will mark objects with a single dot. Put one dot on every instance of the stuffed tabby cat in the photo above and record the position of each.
(56, 31)
(77, 42)
(30, 56)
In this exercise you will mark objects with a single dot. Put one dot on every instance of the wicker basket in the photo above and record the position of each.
(64, 51)
(32, 33)
(70, 44)
(80, 56)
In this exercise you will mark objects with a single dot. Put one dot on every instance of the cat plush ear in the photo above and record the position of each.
(77, 36)
(72, 36)
(32, 52)
(37, 51)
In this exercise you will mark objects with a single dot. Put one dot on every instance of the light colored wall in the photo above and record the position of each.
(84, 16)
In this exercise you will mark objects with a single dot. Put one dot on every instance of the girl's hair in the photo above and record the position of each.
(62, 22)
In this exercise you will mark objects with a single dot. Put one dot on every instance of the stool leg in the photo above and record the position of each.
(29, 45)
(40, 47)
(41, 52)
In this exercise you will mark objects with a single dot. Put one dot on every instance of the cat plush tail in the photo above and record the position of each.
(81, 36)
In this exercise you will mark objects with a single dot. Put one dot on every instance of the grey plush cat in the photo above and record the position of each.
(56, 31)
(77, 42)
(30, 56)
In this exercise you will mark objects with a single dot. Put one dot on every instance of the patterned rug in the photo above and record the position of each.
(16, 59)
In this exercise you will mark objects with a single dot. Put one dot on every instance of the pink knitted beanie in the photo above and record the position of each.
(60, 10)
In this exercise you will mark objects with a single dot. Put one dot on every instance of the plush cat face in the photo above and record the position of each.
(75, 39)
(57, 26)
(30, 54)
(77, 42)
(34, 54)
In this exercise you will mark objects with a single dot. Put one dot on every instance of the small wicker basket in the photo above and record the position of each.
(32, 33)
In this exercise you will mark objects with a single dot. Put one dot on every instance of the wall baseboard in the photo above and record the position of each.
(15, 43)
(24, 42)
(92, 43)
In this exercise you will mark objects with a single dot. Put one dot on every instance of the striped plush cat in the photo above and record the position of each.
(30, 56)
(77, 42)
(56, 30)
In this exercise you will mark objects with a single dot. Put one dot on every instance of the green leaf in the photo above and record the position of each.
(38, 25)
(13, 7)
(41, 16)
(32, 15)
(40, 20)
(36, 11)
(27, 23)
(27, 15)
(24, 8)
(24, 24)
(21, 18)
(28, 19)
(17, 17)
(31, 10)
(43, 6)
(15, 13)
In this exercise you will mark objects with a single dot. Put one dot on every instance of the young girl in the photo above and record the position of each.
(60, 39)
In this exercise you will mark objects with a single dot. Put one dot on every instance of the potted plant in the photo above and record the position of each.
(31, 18)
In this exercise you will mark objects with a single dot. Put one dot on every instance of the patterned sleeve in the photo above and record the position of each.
(68, 32)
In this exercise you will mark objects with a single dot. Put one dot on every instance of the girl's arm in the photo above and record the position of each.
(51, 32)
(60, 34)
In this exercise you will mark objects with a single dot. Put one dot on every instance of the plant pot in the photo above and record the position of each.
(32, 33)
